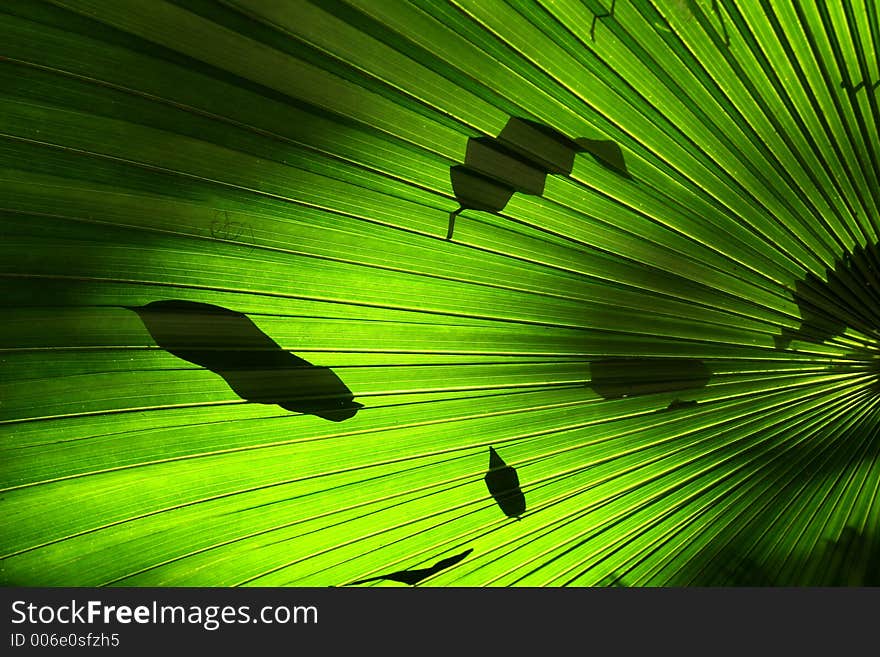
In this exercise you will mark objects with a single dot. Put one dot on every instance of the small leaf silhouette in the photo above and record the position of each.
(255, 366)
(503, 484)
(607, 153)
(828, 307)
(677, 404)
(518, 160)
(615, 378)
(413, 577)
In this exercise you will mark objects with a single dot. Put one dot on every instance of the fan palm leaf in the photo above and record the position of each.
(675, 370)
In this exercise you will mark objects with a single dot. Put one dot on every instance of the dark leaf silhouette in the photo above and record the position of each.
(853, 559)
(255, 366)
(615, 378)
(415, 576)
(606, 152)
(677, 404)
(849, 298)
(518, 160)
(503, 484)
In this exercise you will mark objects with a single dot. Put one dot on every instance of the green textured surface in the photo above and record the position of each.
(290, 161)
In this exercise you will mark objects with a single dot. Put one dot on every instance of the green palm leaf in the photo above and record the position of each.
(289, 162)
